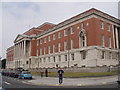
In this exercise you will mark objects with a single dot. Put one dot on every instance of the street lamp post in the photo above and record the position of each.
(68, 47)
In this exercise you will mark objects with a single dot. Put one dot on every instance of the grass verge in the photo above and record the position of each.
(78, 74)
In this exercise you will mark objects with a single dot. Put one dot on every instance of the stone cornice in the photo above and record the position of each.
(23, 36)
(115, 20)
(80, 16)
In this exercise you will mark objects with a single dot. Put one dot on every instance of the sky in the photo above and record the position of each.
(18, 17)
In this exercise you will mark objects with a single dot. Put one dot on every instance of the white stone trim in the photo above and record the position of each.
(113, 35)
(116, 30)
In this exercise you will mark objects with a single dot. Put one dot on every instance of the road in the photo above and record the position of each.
(9, 82)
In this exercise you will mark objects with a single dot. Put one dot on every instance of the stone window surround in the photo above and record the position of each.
(101, 25)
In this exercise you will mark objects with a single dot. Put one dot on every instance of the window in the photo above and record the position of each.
(72, 43)
(110, 55)
(72, 56)
(45, 50)
(102, 41)
(101, 25)
(54, 59)
(72, 30)
(65, 57)
(65, 32)
(44, 59)
(109, 42)
(117, 56)
(103, 55)
(48, 59)
(83, 26)
(59, 34)
(82, 41)
(65, 45)
(26, 62)
(49, 38)
(83, 54)
(113, 55)
(37, 52)
(108, 27)
(44, 40)
(59, 47)
(30, 61)
(59, 58)
(40, 51)
(54, 48)
(54, 36)
(40, 60)
(41, 41)
(48, 49)
(37, 42)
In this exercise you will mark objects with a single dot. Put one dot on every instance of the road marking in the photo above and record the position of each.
(104, 82)
(79, 84)
(29, 81)
(56, 84)
(7, 83)
(23, 82)
(59, 84)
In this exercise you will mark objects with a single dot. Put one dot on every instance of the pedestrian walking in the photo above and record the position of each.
(46, 72)
(41, 73)
(60, 72)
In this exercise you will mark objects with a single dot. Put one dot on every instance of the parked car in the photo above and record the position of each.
(25, 74)
(11, 73)
(6, 73)
(16, 74)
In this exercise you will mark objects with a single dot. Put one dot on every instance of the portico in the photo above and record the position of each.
(22, 48)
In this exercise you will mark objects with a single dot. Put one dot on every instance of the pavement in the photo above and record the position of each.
(84, 81)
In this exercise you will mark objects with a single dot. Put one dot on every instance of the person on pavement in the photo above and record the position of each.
(60, 72)
(46, 72)
(41, 73)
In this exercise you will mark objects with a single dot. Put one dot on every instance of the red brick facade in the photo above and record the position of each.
(93, 31)
(10, 53)
(90, 28)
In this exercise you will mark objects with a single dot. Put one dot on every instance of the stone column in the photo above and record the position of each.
(15, 51)
(18, 50)
(21, 49)
(85, 40)
(113, 35)
(30, 49)
(22, 52)
(24, 47)
(116, 30)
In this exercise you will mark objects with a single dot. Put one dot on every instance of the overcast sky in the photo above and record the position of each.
(18, 17)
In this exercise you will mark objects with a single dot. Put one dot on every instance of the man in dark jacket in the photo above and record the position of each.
(46, 72)
(60, 72)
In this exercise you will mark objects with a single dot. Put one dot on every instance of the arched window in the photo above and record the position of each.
(83, 38)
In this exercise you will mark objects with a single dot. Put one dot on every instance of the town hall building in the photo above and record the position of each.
(89, 39)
